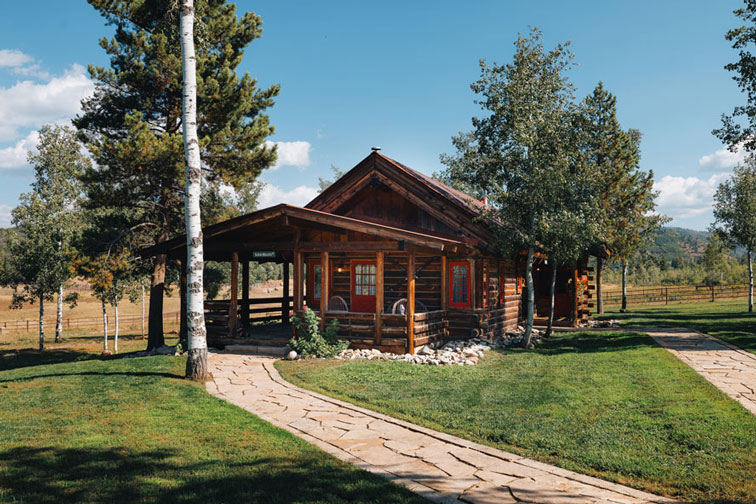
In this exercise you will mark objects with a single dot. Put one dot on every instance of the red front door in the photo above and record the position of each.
(363, 286)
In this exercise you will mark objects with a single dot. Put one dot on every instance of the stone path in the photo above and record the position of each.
(438, 466)
(729, 368)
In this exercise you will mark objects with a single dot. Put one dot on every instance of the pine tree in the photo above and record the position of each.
(624, 191)
(132, 124)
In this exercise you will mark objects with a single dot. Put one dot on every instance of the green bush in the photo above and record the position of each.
(311, 341)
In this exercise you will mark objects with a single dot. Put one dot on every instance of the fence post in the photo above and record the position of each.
(712, 293)
(27, 325)
(666, 295)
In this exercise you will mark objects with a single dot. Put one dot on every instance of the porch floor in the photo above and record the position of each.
(274, 335)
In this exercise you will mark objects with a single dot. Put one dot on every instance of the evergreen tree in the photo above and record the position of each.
(735, 213)
(624, 191)
(46, 223)
(132, 124)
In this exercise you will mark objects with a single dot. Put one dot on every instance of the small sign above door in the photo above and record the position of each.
(263, 254)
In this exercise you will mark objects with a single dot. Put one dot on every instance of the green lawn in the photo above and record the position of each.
(75, 428)
(613, 405)
(728, 319)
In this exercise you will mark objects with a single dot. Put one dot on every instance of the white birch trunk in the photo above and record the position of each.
(196, 363)
(750, 282)
(143, 310)
(624, 286)
(115, 314)
(552, 288)
(104, 326)
(41, 323)
(59, 316)
(531, 298)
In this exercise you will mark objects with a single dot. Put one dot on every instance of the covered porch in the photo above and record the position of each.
(386, 287)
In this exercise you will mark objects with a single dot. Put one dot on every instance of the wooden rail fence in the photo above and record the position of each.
(31, 325)
(676, 294)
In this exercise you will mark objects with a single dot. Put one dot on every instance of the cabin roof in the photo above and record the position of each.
(291, 217)
(463, 200)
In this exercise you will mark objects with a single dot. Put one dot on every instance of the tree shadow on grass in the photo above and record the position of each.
(736, 328)
(132, 374)
(21, 358)
(589, 342)
(121, 475)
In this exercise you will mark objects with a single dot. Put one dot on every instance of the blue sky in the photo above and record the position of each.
(397, 74)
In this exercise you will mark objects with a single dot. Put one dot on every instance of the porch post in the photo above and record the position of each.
(298, 281)
(233, 303)
(411, 303)
(378, 296)
(285, 301)
(574, 295)
(444, 285)
(245, 294)
(324, 272)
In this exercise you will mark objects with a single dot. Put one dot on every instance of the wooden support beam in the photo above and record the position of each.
(575, 296)
(285, 301)
(233, 304)
(245, 295)
(473, 283)
(444, 284)
(411, 303)
(298, 281)
(324, 272)
(378, 296)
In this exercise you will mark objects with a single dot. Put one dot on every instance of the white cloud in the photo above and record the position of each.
(273, 195)
(13, 58)
(722, 159)
(291, 153)
(686, 197)
(28, 104)
(21, 63)
(5, 216)
(15, 156)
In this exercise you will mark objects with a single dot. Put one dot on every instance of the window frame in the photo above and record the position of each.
(468, 303)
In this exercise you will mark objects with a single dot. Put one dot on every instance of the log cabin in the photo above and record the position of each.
(399, 259)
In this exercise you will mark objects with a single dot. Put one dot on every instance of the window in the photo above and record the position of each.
(364, 279)
(318, 279)
(459, 284)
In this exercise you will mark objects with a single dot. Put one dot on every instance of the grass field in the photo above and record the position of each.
(75, 428)
(613, 405)
(728, 319)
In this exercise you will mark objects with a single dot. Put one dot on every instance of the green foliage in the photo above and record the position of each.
(132, 123)
(735, 207)
(311, 341)
(324, 184)
(624, 191)
(39, 250)
(738, 130)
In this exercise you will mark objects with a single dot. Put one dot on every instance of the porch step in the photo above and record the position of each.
(274, 351)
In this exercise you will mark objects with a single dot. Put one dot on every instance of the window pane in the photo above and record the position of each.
(317, 280)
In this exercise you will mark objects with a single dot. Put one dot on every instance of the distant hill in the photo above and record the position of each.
(679, 243)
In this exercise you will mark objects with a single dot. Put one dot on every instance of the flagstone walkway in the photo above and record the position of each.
(726, 366)
(438, 466)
